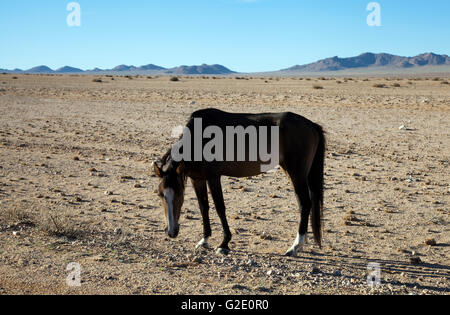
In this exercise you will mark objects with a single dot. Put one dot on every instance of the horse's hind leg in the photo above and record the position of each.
(202, 197)
(302, 193)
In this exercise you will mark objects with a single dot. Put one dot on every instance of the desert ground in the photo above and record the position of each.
(76, 185)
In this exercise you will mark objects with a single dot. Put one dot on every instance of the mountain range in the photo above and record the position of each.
(371, 60)
(364, 62)
(125, 69)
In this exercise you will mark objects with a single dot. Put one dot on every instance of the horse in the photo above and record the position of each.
(301, 144)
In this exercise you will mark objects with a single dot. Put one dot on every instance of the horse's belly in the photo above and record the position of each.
(241, 169)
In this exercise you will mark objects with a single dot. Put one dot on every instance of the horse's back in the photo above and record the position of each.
(212, 115)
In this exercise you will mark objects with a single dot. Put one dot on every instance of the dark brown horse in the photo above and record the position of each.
(300, 145)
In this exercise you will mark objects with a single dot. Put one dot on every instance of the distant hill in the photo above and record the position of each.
(122, 68)
(39, 69)
(125, 68)
(151, 67)
(68, 69)
(203, 69)
(371, 60)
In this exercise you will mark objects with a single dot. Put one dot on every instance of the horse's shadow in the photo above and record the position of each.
(359, 263)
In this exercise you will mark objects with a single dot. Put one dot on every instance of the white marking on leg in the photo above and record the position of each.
(203, 243)
(298, 245)
(169, 194)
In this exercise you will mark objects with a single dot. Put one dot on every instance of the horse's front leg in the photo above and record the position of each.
(217, 195)
(202, 197)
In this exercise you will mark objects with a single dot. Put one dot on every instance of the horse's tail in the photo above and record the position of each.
(316, 180)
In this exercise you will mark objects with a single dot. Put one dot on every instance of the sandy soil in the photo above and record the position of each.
(76, 186)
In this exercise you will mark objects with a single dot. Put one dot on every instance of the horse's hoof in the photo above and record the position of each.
(202, 244)
(291, 253)
(222, 251)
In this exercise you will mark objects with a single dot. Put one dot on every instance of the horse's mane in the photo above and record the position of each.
(168, 163)
(166, 158)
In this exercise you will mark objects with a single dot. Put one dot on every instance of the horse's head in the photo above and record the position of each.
(171, 191)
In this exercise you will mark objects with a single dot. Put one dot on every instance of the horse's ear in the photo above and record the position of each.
(157, 169)
(180, 169)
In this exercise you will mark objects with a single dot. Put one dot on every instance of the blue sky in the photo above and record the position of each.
(244, 35)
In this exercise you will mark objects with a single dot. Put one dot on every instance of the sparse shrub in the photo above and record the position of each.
(444, 82)
(317, 87)
(51, 222)
(97, 80)
(174, 79)
(15, 216)
(14, 78)
(396, 85)
(55, 224)
(379, 85)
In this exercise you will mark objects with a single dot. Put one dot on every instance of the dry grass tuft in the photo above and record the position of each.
(16, 216)
(50, 222)
(57, 224)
